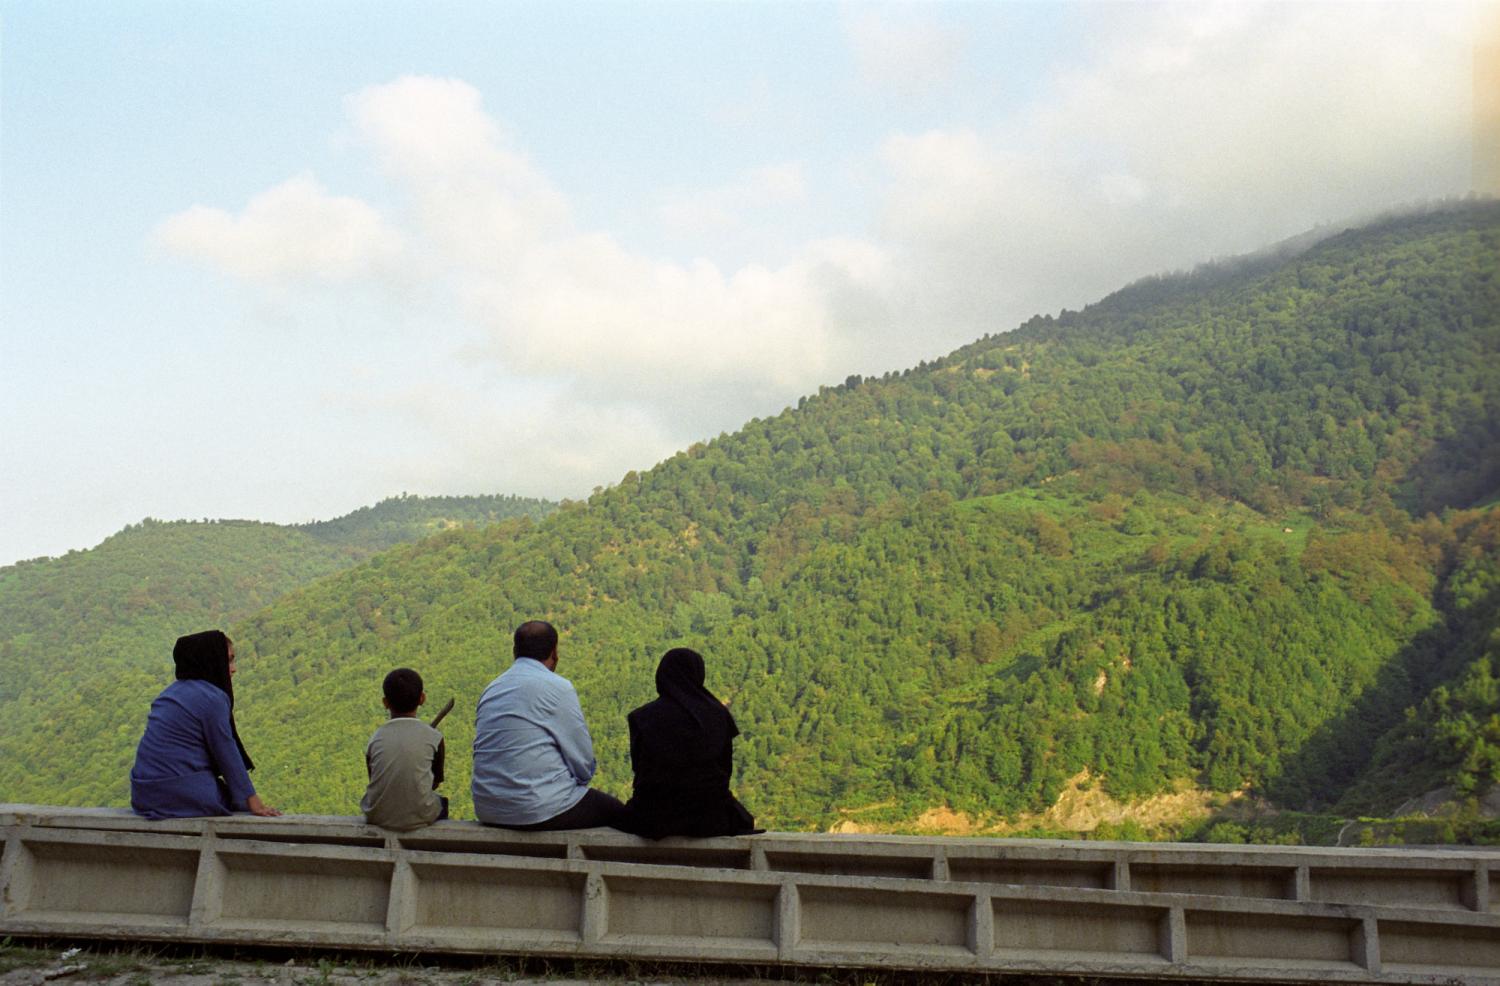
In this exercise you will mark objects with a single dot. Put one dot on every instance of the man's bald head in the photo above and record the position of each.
(536, 639)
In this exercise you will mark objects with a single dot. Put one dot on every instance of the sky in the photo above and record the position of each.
(281, 260)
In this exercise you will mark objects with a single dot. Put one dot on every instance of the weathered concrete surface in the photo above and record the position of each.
(1123, 909)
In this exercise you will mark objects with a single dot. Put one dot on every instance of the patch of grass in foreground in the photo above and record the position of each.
(14, 956)
(102, 961)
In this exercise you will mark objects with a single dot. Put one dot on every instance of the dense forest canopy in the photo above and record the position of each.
(1230, 529)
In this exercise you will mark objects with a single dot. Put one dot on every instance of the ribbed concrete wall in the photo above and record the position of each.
(1129, 909)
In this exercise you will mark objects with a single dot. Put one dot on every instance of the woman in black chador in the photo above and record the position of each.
(680, 748)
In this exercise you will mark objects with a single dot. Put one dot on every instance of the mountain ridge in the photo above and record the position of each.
(1176, 537)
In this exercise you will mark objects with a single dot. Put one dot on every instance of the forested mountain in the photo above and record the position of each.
(398, 519)
(1228, 529)
(78, 631)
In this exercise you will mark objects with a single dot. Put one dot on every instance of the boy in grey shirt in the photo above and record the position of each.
(404, 761)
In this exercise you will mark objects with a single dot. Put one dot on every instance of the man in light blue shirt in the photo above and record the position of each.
(533, 757)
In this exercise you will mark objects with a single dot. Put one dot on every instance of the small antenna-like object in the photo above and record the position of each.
(441, 713)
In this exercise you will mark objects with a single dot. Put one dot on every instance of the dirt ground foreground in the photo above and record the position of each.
(43, 964)
(79, 966)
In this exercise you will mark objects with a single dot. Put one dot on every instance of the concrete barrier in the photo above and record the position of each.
(1122, 909)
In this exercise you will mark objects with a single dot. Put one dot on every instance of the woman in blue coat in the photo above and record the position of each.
(190, 761)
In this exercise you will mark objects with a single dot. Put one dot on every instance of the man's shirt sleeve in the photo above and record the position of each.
(573, 738)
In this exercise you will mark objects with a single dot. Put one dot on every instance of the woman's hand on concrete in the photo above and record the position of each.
(259, 807)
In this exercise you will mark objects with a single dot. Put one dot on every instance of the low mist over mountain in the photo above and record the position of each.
(1228, 529)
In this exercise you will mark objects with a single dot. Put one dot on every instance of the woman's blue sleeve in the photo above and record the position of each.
(226, 754)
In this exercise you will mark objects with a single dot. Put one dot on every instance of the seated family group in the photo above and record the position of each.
(533, 757)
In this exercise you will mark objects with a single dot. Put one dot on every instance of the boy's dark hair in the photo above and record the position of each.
(403, 690)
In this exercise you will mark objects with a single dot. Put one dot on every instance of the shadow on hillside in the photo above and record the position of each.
(1323, 769)
(1460, 471)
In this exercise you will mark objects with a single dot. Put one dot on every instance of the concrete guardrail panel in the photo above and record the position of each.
(1231, 913)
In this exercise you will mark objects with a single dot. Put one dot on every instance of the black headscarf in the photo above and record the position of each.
(205, 657)
(679, 680)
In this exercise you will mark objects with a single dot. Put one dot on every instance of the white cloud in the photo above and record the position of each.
(575, 305)
(423, 126)
(293, 231)
(899, 50)
(1275, 110)
(481, 202)
(689, 347)
(478, 433)
(730, 207)
(942, 178)
(623, 325)
(1191, 131)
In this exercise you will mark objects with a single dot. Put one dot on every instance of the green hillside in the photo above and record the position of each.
(1220, 530)
(398, 519)
(79, 631)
